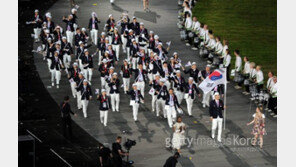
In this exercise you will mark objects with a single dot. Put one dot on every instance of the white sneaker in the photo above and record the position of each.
(194, 48)
(58, 87)
(52, 84)
(269, 110)
(274, 116)
(204, 106)
(187, 44)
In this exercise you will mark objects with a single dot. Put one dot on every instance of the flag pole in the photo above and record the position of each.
(225, 92)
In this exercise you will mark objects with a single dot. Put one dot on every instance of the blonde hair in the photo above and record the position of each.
(258, 115)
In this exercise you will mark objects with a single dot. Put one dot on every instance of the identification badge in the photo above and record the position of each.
(104, 105)
(190, 91)
(114, 87)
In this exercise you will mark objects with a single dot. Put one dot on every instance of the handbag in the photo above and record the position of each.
(152, 91)
(232, 73)
(132, 102)
(191, 34)
(246, 82)
(180, 111)
(183, 35)
(186, 96)
(238, 77)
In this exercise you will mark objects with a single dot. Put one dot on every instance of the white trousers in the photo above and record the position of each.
(212, 95)
(37, 32)
(94, 36)
(160, 105)
(70, 36)
(189, 102)
(149, 51)
(110, 39)
(55, 75)
(115, 101)
(167, 84)
(206, 99)
(171, 115)
(79, 104)
(217, 121)
(74, 91)
(107, 89)
(135, 111)
(84, 107)
(124, 41)
(100, 57)
(104, 117)
(135, 63)
(153, 102)
(116, 48)
(75, 27)
(103, 82)
(49, 61)
(150, 76)
(144, 48)
(126, 83)
(180, 96)
(88, 73)
(67, 60)
(128, 49)
(137, 38)
(80, 65)
(141, 87)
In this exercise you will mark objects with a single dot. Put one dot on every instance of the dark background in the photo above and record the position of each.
(38, 113)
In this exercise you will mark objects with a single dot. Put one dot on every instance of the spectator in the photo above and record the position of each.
(273, 100)
(258, 126)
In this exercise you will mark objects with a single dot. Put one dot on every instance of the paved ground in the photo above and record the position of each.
(151, 132)
(38, 112)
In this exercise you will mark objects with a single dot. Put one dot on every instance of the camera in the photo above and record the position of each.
(129, 143)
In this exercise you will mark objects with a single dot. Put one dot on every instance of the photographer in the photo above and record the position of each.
(172, 161)
(105, 156)
(117, 152)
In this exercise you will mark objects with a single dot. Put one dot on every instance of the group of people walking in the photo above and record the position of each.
(147, 60)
